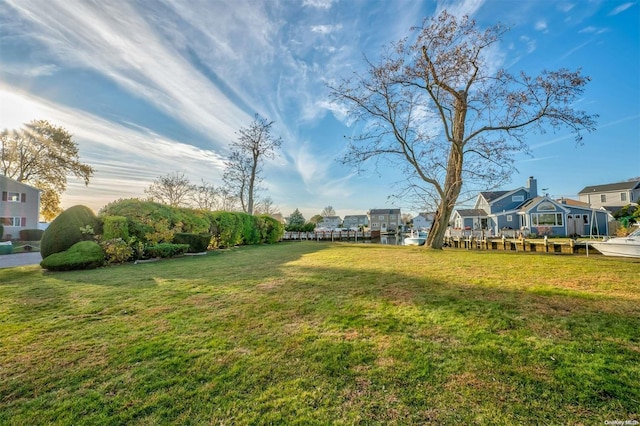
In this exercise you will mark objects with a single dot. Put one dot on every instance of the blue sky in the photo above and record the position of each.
(157, 86)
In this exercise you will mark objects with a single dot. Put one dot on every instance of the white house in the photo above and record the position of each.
(330, 222)
(423, 221)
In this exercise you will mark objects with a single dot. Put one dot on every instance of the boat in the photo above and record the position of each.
(415, 239)
(628, 246)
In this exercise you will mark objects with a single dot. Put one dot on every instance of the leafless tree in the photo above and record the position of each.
(328, 211)
(437, 106)
(173, 189)
(266, 206)
(243, 172)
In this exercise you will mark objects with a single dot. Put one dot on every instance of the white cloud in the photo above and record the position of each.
(459, 8)
(541, 26)
(27, 70)
(318, 4)
(125, 160)
(621, 8)
(531, 44)
(325, 29)
(115, 40)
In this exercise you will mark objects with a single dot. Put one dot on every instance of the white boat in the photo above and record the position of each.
(628, 246)
(415, 239)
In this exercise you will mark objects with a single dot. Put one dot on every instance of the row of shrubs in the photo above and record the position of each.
(26, 234)
(133, 229)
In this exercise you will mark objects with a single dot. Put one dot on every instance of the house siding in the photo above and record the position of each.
(26, 207)
(507, 202)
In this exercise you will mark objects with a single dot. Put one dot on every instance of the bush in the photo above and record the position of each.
(115, 227)
(197, 242)
(165, 250)
(225, 229)
(82, 255)
(31, 234)
(271, 230)
(70, 227)
(116, 250)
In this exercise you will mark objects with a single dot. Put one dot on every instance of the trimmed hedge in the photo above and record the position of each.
(197, 242)
(115, 227)
(31, 234)
(82, 255)
(65, 230)
(152, 223)
(166, 250)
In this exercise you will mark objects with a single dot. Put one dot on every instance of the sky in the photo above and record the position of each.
(153, 87)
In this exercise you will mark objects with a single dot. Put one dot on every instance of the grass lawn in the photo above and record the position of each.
(318, 333)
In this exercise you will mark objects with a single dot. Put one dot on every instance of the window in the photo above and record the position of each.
(585, 219)
(375, 225)
(516, 198)
(509, 218)
(381, 217)
(603, 198)
(623, 196)
(546, 219)
(546, 207)
(10, 221)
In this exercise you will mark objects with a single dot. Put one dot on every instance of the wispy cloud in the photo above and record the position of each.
(126, 160)
(621, 8)
(116, 41)
(592, 30)
(325, 29)
(29, 70)
(319, 4)
(460, 8)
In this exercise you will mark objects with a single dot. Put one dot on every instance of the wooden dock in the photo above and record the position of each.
(519, 244)
(327, 236)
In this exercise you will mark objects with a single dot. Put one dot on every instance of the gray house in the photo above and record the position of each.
(19, 207)
(523, 210)
(355, 221)
(611, 196)
(330, 222)
(384, 220)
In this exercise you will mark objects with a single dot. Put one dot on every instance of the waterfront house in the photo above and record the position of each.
(423, 221)
(384, 220)
(330, 222)
(611, 196)
(355, 221)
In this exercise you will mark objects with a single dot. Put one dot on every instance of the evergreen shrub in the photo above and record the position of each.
(31, 234)
(70, 227)
(165, 250)
(197, 242)
(81, 255)
(115, 227)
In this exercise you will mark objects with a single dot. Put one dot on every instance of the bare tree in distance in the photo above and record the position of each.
(266, 206)
(328, 211)
(435, 105)
(243, 172)
(173, 189)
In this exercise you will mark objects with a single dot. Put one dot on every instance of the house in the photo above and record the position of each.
(330, 222)
(611, 196)
(423, 221)
(19, 207)
(355, 221)
(525, 211)
(384, 220)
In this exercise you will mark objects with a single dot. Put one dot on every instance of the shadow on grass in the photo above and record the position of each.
(267, 333)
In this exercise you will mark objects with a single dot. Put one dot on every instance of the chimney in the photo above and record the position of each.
(532, 187)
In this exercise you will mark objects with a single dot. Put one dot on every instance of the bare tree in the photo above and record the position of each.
(437, 106)
(173, 189)
(266, 206)
(328, 211)
(243, 173)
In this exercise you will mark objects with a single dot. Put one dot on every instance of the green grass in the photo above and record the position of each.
(313, 333)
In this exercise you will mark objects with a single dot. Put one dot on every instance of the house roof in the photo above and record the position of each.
(471, 212)
(573, 203)
(355, 216)
(530, 204)
(630, 184)
(331, 218)
(384, 211)
(493, 195)
(3, 177)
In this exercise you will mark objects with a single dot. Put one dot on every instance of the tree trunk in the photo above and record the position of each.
(453, 180)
